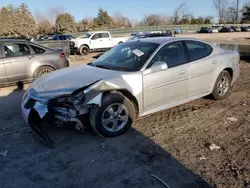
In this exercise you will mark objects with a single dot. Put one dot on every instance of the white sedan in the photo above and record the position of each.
(131, 80)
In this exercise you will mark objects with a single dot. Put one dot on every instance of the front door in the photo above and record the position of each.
(170, 86)
(17, 60)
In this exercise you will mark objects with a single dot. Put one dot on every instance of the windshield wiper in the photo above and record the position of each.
(102, 67)
(91, 64)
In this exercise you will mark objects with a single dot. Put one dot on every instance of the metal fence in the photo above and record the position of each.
(56, 44)
(130, 30)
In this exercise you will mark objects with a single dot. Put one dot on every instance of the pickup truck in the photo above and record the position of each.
(99, 40)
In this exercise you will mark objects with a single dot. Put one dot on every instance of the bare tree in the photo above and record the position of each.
(53, 12)
(180, 12)
(237, 10)
(120, 20)
(221, 8)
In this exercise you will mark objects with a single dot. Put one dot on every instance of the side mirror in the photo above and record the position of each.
(156, 67)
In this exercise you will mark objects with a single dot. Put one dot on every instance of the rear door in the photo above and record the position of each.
(3, 78)
(17, 60)
(105, 40)
(202, 67)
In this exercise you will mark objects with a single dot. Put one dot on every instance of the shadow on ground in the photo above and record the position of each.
(83, 159)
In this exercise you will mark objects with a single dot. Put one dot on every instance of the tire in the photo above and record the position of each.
(84, 50)
(43, 71)
(120, 42)
(99, 115)
(222, 88)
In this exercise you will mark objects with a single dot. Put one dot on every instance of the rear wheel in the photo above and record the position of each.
(43, 71)
(114, 117)
(222, 86)
(84, 50)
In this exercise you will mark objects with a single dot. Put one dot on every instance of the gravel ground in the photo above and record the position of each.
(172, 144)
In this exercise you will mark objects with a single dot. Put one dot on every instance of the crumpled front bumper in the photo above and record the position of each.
(33, 112)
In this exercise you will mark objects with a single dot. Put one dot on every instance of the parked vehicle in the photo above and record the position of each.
(24, 61)
(131, 80)
(218, 28)
(177, 31)
(245, 28)
(226, 30)
(205, 30)
(208, 30)
(96, 41)
(149, 35)
(236, 29)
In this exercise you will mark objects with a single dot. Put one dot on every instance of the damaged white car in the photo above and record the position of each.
(133, 79)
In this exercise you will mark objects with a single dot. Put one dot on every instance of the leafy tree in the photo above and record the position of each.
(65, 23)
(103, 20)
(26, 23)
(208, 20)
(200, 20)
(45, 27)
(246, 16)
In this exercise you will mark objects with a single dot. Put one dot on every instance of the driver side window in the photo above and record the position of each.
(172, 54)
(96, 36)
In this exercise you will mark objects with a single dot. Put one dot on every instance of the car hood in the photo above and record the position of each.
(67, 80)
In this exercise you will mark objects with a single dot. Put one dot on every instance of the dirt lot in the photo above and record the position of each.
(172, 144)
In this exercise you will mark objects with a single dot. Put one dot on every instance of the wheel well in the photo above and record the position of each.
(35, 72)
(230, 71)
(84, 45)
(127, 94)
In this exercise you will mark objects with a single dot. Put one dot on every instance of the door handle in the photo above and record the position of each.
(31, 57)
(183, 71)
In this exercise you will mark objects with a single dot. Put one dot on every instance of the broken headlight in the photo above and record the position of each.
(78, 97)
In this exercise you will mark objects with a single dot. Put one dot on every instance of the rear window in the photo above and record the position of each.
(37, 50)
(197, 50)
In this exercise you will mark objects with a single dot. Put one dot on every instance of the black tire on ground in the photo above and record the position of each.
(43, 71)
(120, 42)
(84, 50)
(98, 113)
(217, 94)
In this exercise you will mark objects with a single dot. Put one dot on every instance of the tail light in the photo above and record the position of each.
(62, 55)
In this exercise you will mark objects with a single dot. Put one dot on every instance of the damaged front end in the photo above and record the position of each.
(61, 110)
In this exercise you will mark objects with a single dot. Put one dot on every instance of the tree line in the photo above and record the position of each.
(18, 21)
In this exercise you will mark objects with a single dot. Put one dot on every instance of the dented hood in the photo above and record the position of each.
(67, 80)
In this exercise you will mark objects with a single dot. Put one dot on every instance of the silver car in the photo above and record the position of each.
(131, 80)
(22, 60)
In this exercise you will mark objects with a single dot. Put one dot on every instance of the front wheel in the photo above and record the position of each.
(114, 117)
(222, 86)
(84, 50)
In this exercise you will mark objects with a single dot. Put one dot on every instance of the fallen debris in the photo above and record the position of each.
(203, 158)
(213, 147)
(4, 153)
(160, 180)
(232, 119)
(96, 158)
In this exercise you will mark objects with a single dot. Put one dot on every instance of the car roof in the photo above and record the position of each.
(163, 40)
(13, 40)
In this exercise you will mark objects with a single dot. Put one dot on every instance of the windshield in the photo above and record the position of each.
(85, 36)
(130, 56)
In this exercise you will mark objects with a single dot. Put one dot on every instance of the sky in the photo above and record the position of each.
(134, 9)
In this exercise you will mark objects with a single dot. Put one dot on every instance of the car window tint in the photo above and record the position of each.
(172, 54)
(37, 50)
(104, 35)
(96, 36)
(197, 50)
(15, 49)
